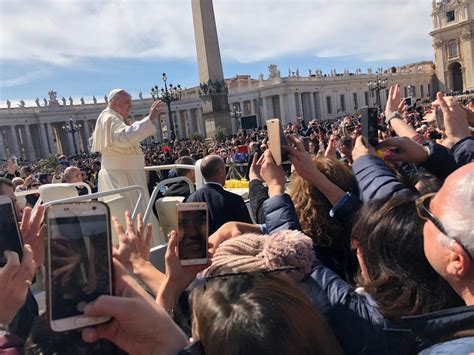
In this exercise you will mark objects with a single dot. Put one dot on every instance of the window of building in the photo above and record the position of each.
(452, 50)
(405, 91)
(429, 90)
(422, 91)
(450, 16)
(354, 99)
(366, 98)
(413, 90)
(329, 104)
(343, 103)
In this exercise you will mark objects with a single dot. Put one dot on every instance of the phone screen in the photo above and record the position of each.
(192, 234)
(80, 265)
(10, 238)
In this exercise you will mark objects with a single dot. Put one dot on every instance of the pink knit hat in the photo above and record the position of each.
(256, 252)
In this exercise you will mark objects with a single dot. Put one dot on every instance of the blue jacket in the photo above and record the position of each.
(463, 151)
(450, 331)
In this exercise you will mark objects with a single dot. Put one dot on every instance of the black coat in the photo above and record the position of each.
(181, 188)
(223, 206)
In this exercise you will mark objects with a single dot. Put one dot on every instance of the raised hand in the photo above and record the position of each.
(15, 279)
(134, 245)
(33, 233)
(455, 118)
(407, 150)
(393, 100)
(272, 174)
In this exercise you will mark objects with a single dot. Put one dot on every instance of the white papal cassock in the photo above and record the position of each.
(122, 159)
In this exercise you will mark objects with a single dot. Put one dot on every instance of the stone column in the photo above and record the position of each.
(313, 108)
(168, 125)
(242, 108)
(189, 120)
(16, 147)
(202, 124)
(44, 140)
(300, 103)
(52, 143)
(29, 143)
(252, 107)
(283, 118)
(265, 109)
(180, 124)
(3, 152)
(291, 107)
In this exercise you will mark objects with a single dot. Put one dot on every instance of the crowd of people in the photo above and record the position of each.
(361, 250)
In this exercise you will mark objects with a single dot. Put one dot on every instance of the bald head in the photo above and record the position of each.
(213, 169)
(72, 175)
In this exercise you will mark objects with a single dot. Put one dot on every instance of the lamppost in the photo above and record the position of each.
(72, 128)
(235, 113)
(377, 85)
(168, 95)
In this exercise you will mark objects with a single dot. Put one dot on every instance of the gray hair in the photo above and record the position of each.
(457, 214)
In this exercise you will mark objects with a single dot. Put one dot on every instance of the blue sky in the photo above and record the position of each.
(85, 48)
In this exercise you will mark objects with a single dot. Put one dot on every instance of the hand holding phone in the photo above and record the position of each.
(10, 238)
(79, 262)
(276, 139)
(193, 233)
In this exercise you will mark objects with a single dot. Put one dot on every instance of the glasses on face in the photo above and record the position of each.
(423, 210)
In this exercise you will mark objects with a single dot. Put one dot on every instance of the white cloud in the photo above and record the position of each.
(62, 32)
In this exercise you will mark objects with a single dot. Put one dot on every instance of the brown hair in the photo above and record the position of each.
(258, 313)
(400, 278)
(312, 207)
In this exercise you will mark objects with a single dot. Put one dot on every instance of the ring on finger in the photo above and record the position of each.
(28, 282)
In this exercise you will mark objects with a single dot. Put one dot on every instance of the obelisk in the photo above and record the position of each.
(214, 98)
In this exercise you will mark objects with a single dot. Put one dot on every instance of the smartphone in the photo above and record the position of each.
(79, 262)
(10, 237)
(193, 233)
(408, 101)
(276, 139)
(439, 118)
(369, 124)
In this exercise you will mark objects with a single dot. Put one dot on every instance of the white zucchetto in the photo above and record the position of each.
(113, 93)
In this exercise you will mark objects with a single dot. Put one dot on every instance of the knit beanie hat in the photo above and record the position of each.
(256, 252)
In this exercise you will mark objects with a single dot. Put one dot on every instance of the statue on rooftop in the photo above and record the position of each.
(71, 102)
(22, 103)
(37, 102)
(64, 101)
(82, 101)
(140, 96)
(94, 99)
(9, 104)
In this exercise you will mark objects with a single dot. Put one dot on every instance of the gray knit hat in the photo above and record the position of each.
(256, 252)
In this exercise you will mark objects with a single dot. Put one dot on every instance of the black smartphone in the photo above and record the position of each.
(192, 233)
(369, 124)
(408, 101)
(10, 238)
(79, 262)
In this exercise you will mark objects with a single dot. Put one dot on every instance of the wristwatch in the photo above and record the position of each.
(393, 115)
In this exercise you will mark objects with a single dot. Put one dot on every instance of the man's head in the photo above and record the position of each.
(121, 102)
(253, 147)
(451, 254)
(189, 173)
(25, 171)
(72, 175)
(8, 189)
(213, 169)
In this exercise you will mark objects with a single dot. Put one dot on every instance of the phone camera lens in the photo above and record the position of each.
(94, 208)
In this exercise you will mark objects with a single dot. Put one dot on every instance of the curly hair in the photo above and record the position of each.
(312, 207)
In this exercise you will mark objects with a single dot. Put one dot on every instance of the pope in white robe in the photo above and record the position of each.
(122, 158)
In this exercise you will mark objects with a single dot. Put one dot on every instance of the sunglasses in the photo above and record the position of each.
(423, 210)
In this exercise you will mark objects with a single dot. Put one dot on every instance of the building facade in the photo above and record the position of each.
(453, 44)
(37, 132)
